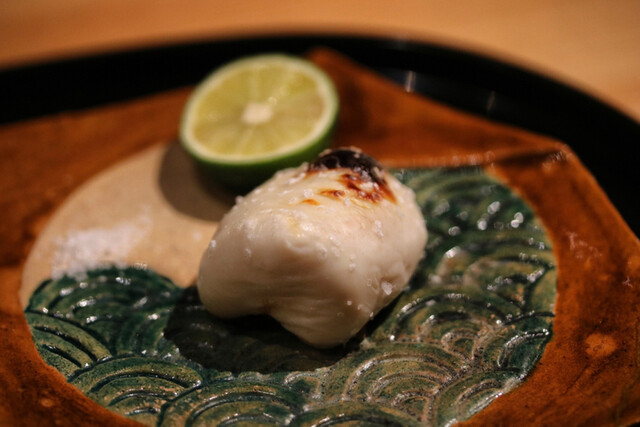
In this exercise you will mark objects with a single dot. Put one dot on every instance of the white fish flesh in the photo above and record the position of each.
(321, 248)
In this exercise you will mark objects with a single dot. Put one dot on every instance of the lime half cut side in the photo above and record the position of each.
(257, 115)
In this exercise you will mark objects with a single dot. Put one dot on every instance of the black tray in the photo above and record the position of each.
(604, 138)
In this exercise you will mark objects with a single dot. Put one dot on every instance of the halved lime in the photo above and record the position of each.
(257, 115)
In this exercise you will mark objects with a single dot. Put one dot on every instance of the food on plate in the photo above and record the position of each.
(257, 115)
(321, 248)
(465, 338)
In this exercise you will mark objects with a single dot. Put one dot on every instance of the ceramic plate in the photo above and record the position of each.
(470, 327)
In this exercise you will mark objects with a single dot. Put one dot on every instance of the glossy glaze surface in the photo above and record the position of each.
(588, 373)
(471, 325)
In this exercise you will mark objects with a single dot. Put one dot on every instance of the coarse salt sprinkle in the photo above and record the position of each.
(81, 250)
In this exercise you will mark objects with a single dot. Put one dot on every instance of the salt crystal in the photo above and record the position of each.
(377, 228)
(387, 288)
(82, 250)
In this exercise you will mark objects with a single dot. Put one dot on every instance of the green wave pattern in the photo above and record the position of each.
(470, 326)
